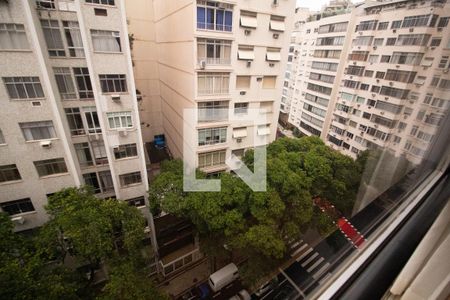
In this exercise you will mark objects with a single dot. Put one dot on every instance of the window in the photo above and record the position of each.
(413, 39)
(50, 166)
(212, 111)
(394, 92)
(355, 70)
(113, 83)
(378, 41)
(2, 138)
(75, 121)
(277, 23)
(83, 83)
(435, 42)
(23, 87)
(319, 88)
(243, 82)
(84, 154)
(383, 25)
(400, 76)
(273, 54)
(216, 52)
(391, 41)
(211, 159)
(359, 55)
(444, 84)
(327, 53)
(118, 120)
(406, 58)
(9, 173)
(65, 83)
(211, 136)
(213, 83)
(330, 41)
(138, 202)
(396, 24)
(13, 37)
(326, 66)
(367, 25)
(98, 148)
(373, 59)
(93, 124)
(73, 38)
(124, 151)
(214, 16)
(392, 108)
(311, 119)
(266, 107)
(106, 41)
(336, 27)
(315, 110)
(41, 130)
(53, 38)
(418, 21)
(104, 2)
(443, 62)
(91, 180)
(241, 108)
(321, 77)
(106, 182)
(17, 206)
(130, 178)
(362, 41)
(269, 82)
(443, 22)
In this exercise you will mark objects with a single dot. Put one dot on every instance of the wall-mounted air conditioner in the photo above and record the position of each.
(238, 140)
(249, 63)
(46, 144)
(18, 220)
(115, 98)
(247, 32)
(242, 93)
(202, 64)
(276, 35)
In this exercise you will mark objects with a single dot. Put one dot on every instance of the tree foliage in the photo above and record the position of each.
(260, 224)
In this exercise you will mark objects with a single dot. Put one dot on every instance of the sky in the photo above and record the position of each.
(312, 4)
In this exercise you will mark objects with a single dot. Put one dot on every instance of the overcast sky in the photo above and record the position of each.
(312, 4)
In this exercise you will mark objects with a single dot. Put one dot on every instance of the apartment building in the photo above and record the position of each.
(70, 115)
(221, 59)
(392, 83)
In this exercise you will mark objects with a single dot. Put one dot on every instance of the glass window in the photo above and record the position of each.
(215, 52)
(124, 151)
(138, 202)
(269, 82)
(130, 178)
(17, 206)
(73, 38)
(23, 87)
(104, 2)
(241, 108)
(106, 41)
(2, 138)
(213, 83)
(214, 16)
(113, 83)
(83, 83)
(84, 154)
(50, 166)
(40, 130)
(99, 150)
(75, 121)
(65, 83)
(9, 173)
(211, 159)
(93, 124)
(13, 37)
(118, 120)
(53, 38)
(212, 111)
(91, 180)
(211, 136)
(243, 82)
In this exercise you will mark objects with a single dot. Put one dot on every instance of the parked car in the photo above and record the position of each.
(223, 277)
(242, 295)
(269, 285)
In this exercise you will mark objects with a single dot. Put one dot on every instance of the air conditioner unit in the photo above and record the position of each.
(432, 48)
(242, 93)
(411, 30)
(276, 35)
(375, 47)
(36, 103)
(391, 83)
(202, 64)
(394, 30)
(249, 63)
(275, 3)
(46, 144)
(238, 140)
(115, 98)
(123, 132)
(247, 32)
(271, 65)
(354, 63)
(386, 98)
(259, 79)
(381, 112)
(18, 220)
(445, 71)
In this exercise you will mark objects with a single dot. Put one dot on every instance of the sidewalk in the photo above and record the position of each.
(187, 279)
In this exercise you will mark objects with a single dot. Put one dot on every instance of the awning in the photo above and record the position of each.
(239, 132)
(277, 25)
(248, 22)
(273, 56)
(246, 54)
(427, 63)
(264, 130)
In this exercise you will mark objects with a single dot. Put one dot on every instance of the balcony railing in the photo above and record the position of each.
(214, 60)
(213, 26)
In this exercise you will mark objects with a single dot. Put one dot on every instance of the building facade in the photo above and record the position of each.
(70, 116)
(391, 85)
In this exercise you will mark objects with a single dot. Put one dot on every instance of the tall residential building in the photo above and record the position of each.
(221, 59)
(70, 115)
(391, 82)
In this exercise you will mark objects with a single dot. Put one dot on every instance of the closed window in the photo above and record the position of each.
(241, 108)
(211, 136)
(53, 38)
(117, 120)
(138, 201)
(130, 178)
(83, 83)
(383, 25)
(99, 150)
(106, 41)
(50, 166)
(124, 151)
(65, 83)
(210, 159)
(13, 37)
(212, 111)
(213, 83)
(269, 82)
(41, 130)
(100, 182)
(214, 16)
(93, 124)
(104, 2)
(17, 206)
(23, 87)
(75, 121)
(73, 38)
(91, 180)
(9, 173)
(243, 82)
(84, 154)
(113, 83)
(217, 52)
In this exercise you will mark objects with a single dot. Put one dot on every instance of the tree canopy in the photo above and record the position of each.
(260, 224)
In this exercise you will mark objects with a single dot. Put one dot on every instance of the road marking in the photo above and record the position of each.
(321, 259)
(295, 245)
(304, 254)
(325, 278)
(310, 259)
(292, 283)
(320, 271)
(299, 250)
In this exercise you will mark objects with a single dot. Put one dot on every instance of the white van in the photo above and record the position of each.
(223, 277)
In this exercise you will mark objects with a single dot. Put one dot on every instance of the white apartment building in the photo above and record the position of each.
(392, 83)
(70, 112)
(221, 59)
